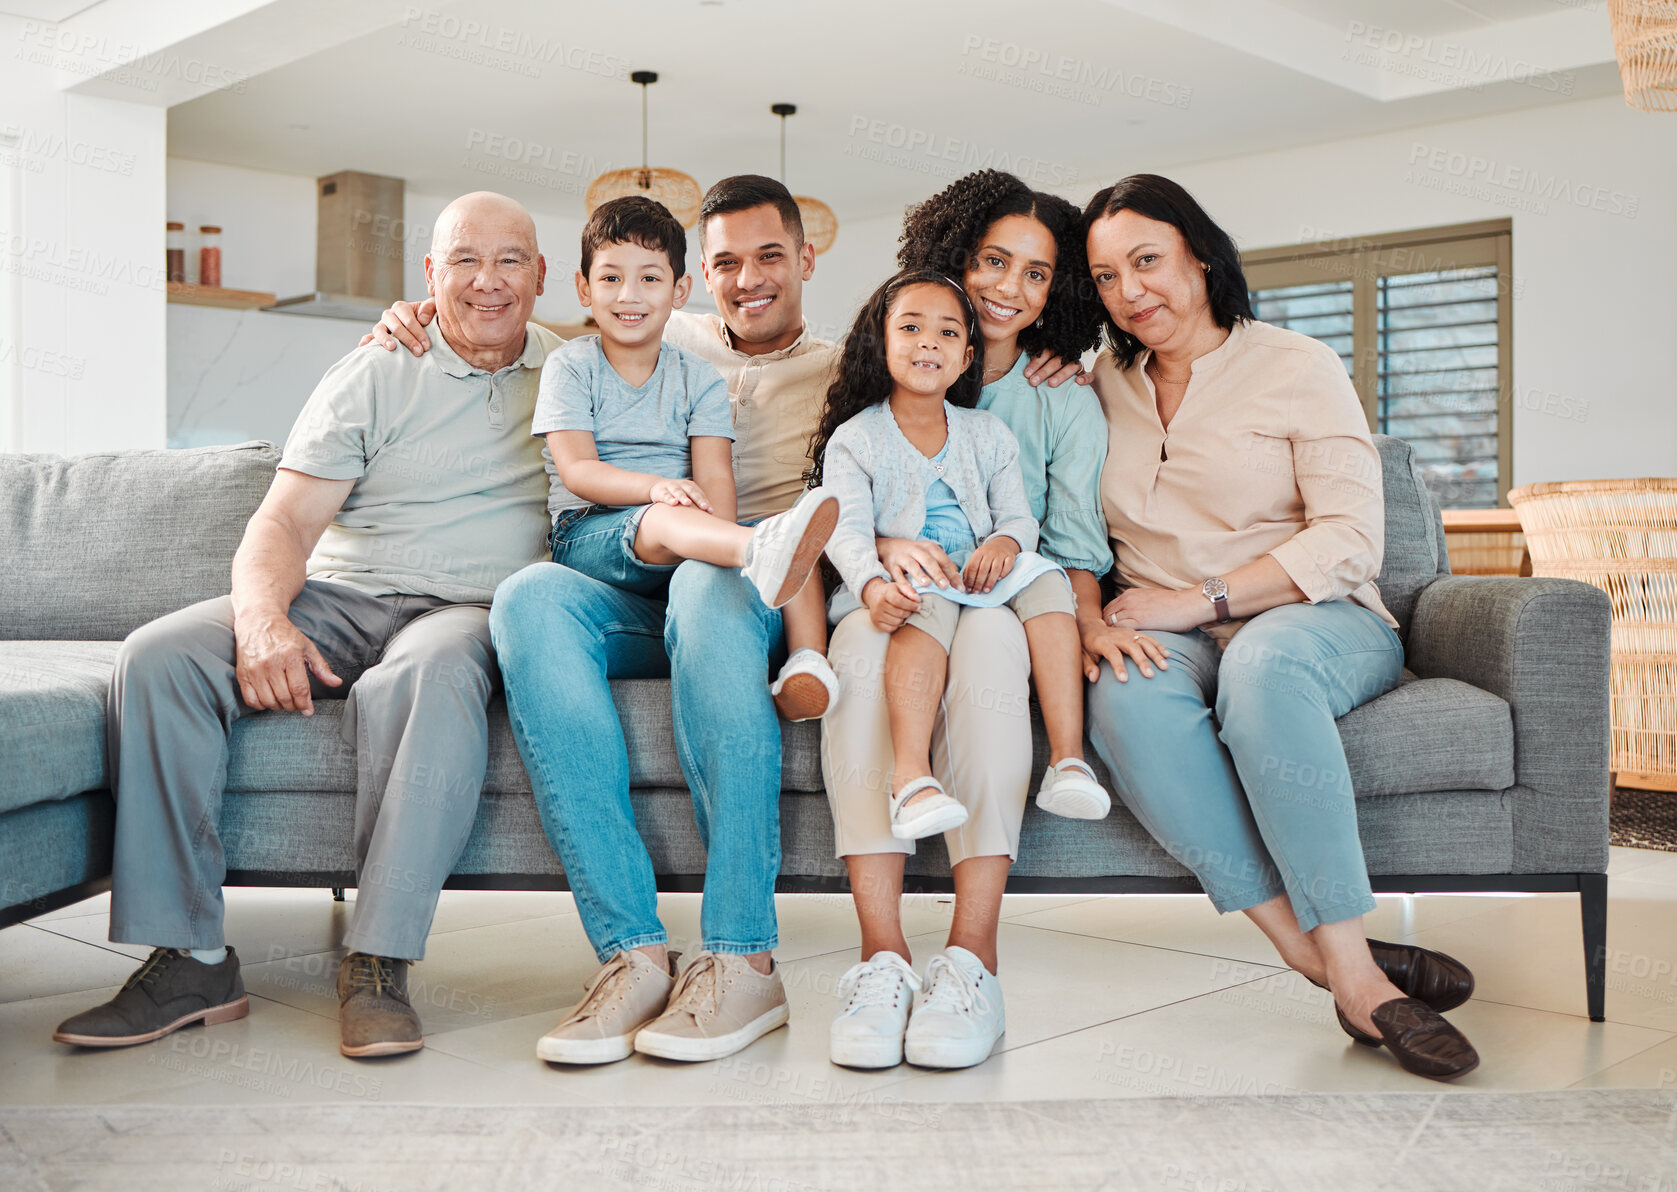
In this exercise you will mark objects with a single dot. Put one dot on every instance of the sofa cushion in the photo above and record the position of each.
(1429, 735)
(52, 707)
(1415, 553)
(97, 545)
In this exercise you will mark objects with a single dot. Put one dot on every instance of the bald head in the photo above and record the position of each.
(485, 272)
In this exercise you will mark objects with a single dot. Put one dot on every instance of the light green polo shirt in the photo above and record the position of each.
(450, 494)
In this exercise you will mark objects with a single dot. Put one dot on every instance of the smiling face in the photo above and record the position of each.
(485, 273)
(755, 269)
(631, 290)
(926, 348)
(1149, 280)
(1008, 279)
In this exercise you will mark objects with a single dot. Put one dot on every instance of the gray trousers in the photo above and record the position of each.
(418, 673)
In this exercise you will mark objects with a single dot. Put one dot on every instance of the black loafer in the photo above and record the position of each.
(1441, 981)
(1419, 1037)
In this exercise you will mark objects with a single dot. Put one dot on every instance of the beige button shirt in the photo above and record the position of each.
(1268, 454)
(777, 399)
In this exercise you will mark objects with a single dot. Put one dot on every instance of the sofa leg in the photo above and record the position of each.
(1592, 896)
(337, 893)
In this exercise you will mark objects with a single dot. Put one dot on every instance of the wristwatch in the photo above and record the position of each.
(1216, 591)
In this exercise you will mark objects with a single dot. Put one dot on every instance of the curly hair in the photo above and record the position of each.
(944, 231)
(863, 379)
(1159, 198)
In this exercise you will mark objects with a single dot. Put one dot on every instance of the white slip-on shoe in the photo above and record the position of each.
(719, 1005)
(929, 815)
(960, 1016)
(807, 687)
(625, 994)
(1069, 789)
(785, 548)
(868, 1032)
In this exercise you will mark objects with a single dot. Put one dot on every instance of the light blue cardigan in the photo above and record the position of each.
(880, 479)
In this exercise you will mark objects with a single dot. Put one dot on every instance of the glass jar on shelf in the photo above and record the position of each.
(174, 251)
(209, 255)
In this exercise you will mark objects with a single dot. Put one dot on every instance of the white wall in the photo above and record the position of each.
(1595, 289)
(83, 255)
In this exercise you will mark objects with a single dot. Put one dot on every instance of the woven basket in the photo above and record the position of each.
(1621, 536)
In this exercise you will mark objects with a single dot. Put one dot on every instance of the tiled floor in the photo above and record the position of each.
(1107, 997)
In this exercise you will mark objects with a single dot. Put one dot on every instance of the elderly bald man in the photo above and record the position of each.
(409, 488)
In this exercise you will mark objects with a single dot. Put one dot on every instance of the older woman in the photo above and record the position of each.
(1244, 498)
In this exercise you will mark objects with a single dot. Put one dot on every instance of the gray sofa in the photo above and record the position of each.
(1485, 770)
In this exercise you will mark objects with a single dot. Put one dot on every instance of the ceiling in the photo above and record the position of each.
(894, 97)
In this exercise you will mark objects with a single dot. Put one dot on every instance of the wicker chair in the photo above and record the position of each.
(1621, 536)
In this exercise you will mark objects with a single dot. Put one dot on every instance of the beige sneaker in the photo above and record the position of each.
(720, 1004)
(628, 992)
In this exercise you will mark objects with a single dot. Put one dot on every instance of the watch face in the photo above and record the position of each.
(1215, 589)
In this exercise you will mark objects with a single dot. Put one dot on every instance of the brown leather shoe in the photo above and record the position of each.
(1423, 1042)
(1441, 981)
(374, 1017)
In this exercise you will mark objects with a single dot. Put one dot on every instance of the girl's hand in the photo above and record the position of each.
(679, 492)
(1159, 608)
(1113, 645)
(918, 562)
(889, 603)
(989, 563)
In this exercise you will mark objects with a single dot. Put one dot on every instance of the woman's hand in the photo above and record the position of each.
(1113, 645)
(1159, 608)
(889, 603)
(1047, 367)
(989, 563)
(918, 563)
(679, 492)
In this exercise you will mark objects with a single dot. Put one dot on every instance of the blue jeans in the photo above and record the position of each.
(599, 541)
(1256, 801)
(560, 636)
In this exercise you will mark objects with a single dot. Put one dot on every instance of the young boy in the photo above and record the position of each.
(639, 450)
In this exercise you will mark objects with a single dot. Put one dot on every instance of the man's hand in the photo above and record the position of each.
(1044, 366)
(272, 663)
(403, 323)
(918, 562)
(989, 563)
(889, 603)
(679, 492)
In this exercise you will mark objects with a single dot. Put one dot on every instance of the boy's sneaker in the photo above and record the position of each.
(719, 1005)
(807, 686)
(627, 992)
(959, 1017)
(785, 548)
(868, 1032)
(169, 991)
(1069, 789)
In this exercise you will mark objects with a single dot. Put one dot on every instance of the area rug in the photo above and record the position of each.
(1644, 819)
(1439, 1141)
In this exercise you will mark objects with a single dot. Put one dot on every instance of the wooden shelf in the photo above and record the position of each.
(192, 295)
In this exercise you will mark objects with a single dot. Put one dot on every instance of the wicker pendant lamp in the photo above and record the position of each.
(820, 224)
(1645, 42)
(675, 190)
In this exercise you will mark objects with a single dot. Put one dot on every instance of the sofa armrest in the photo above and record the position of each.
(1543, 645)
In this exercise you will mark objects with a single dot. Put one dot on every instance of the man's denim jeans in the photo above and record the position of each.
(560, 636)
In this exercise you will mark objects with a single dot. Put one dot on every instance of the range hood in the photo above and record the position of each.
(359, 247)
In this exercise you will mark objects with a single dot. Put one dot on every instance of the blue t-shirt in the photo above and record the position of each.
(945, 524)
(639, 428)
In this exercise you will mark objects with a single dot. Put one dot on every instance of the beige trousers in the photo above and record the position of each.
(981, 741)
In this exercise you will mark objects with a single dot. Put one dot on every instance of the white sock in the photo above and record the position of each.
(208, 955)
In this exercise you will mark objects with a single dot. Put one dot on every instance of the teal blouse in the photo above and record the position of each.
(1062, 448)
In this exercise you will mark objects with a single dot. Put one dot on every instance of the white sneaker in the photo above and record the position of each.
(807, 688)
(785, 548)
(926, 816)
(868, 1032)
(960, 1016)
(1070, 789)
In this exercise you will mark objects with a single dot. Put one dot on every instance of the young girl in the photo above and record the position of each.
(908, 456)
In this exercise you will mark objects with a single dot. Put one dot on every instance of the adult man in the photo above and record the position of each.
(408, 490)
(560, 635)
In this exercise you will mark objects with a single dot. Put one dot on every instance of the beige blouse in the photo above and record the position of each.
(1268, 454)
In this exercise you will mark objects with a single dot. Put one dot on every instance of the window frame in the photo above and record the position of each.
(1364, 260)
